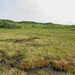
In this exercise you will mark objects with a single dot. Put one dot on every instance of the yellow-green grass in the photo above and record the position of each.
(26, 49)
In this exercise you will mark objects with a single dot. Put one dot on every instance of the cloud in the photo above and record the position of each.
(57, 11)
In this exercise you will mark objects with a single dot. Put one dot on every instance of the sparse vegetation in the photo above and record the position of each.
(37, 47)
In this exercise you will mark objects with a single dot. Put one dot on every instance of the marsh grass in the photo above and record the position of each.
(27, 49)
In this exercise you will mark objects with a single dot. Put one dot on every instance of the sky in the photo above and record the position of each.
(55, 11)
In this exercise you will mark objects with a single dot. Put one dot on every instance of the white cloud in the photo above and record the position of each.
(57, 11)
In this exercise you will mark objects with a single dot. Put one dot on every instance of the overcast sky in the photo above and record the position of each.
(55, 11)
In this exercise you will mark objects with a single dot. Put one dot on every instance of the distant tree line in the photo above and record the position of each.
(8, 24)
(27, 24)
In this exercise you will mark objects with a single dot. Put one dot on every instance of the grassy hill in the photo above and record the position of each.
(27, 24)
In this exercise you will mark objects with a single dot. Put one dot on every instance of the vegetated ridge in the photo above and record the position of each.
(28, 24)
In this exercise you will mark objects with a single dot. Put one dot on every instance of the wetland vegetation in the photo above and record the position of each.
(30, 48)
